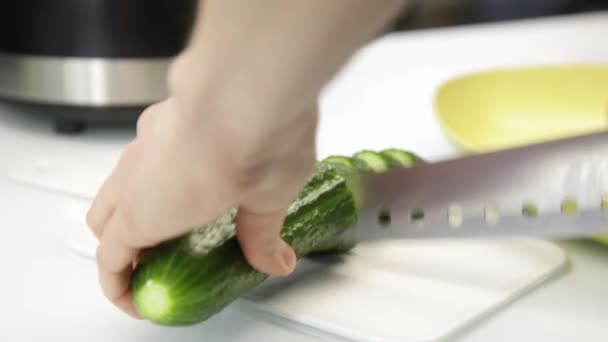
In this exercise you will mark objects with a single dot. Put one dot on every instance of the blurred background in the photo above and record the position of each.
(75, 75)
(103, 61)
(441, 13)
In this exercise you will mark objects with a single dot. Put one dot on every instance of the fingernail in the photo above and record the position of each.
(289, 258)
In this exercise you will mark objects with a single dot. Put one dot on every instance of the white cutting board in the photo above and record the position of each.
(409, 291)
(383, 291)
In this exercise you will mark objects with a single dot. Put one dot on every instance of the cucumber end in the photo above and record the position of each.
(153, 301)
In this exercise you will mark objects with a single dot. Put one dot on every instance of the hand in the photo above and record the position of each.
(238, 131)
(178, 174)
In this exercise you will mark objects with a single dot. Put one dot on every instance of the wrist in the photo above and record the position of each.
(240, 86)
(211, 95)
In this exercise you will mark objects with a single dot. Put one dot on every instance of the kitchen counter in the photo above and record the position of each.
(382, 98)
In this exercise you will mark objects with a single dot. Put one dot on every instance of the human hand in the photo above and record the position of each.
(238, 131)
(178, 174)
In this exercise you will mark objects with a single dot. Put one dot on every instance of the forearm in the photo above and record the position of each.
(276, 55)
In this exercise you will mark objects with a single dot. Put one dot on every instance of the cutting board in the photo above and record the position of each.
(409, 291)
(418, 291)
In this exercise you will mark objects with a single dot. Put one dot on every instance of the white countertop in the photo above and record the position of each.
(383, 98)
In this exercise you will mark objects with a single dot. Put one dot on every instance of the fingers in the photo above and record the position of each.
(123, 301)
(259, 237)
(102, 207)
(115, 257)
(105, 201)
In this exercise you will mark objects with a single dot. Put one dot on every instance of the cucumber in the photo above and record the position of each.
(400, 158)
(189, 279)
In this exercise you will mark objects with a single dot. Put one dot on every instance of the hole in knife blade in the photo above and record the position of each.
(529, 209)
(455, 216)
(417, 215)
(384, 217)
(605, 203)
(491, 215)
(569, 207)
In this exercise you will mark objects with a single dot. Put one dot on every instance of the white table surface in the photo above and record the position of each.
(382, 98)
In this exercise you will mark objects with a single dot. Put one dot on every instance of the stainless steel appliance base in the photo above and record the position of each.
(91, 82)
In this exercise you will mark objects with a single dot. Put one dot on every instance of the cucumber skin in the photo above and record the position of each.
(200, 286)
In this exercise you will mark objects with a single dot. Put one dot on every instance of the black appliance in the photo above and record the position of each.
(87, 61)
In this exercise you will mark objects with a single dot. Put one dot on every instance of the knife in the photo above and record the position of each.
(553, 189)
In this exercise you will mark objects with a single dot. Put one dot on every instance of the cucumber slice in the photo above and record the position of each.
(343, 165)
(400, 158)
(370, 161)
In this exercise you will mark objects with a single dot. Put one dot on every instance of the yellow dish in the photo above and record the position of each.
(502, 108)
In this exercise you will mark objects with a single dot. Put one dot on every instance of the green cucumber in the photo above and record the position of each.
(189, 279)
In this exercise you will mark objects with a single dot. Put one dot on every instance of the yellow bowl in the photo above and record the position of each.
(497, 109)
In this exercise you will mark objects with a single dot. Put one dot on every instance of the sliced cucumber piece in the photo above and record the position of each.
(370, 161)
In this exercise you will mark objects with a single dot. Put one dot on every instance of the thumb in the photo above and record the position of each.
(261, 216)
(259, 237)
(272, 188)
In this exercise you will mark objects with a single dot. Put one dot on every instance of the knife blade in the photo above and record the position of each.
(552, 189)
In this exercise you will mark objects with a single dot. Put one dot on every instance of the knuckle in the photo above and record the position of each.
(144, 118)
(148, 115)
(249, 176)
